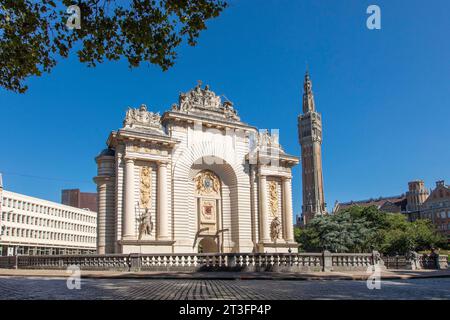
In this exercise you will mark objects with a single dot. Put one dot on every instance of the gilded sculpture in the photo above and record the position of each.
(207, 183)
(273, 198)
(145, 187)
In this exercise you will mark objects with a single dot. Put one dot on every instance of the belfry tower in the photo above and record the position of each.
(310, 136)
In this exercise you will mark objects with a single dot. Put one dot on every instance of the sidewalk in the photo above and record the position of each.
(386, 275)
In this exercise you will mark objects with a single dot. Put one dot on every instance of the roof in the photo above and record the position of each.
(42, 202)
(107, 152)
(399, 201)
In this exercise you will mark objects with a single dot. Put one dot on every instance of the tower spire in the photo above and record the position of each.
(308, 96)
(310, 138)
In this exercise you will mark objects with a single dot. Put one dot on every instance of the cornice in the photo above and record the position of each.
(169, 116)
(127, 135)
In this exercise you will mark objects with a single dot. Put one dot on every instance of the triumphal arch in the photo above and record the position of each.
(196, 179)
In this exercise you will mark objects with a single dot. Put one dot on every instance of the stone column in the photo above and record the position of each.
(101, 217)
(162, 219)
(288, 231)
(263, 234)
(128, 217)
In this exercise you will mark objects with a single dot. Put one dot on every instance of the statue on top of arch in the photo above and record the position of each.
(204, 99)
(142, 117)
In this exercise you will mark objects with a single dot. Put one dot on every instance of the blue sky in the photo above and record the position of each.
(383, 95)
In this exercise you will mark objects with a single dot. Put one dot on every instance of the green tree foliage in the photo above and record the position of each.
(33, 34)
(363, 229)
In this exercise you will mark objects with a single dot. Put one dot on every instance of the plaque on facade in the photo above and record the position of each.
(208, 211)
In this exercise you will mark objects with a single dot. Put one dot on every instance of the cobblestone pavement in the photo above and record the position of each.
(56, 288)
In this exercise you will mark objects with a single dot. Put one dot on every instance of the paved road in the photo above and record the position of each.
(56, 288)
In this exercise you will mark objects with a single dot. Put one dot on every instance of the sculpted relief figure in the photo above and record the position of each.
(184, 102)
(210, 99)
(273, 192)
(196, 95)
(229, 110)
(145, 225)
(142, 116)
(275, 229)
(130, 117)
(264, 138)
(199, 99)
(145, 187)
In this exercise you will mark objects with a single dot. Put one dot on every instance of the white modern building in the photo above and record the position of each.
(196, 179)
(34, 226)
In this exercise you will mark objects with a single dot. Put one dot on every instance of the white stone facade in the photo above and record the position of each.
(34, 226)
(195, 179)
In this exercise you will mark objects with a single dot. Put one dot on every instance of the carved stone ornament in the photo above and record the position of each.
(145, 188)
(275, 229)
(142, 118)
(207, 183)
(200, 99)
(273, 198)
(144, 149)
(266, 139)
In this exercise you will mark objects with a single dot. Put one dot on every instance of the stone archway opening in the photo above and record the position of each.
(214, 202)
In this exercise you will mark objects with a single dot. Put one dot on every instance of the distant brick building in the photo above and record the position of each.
(78, 199)
(436, 207)
(395, 204)
(416, 203)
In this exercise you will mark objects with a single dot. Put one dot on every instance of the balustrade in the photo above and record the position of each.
(292, 262)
